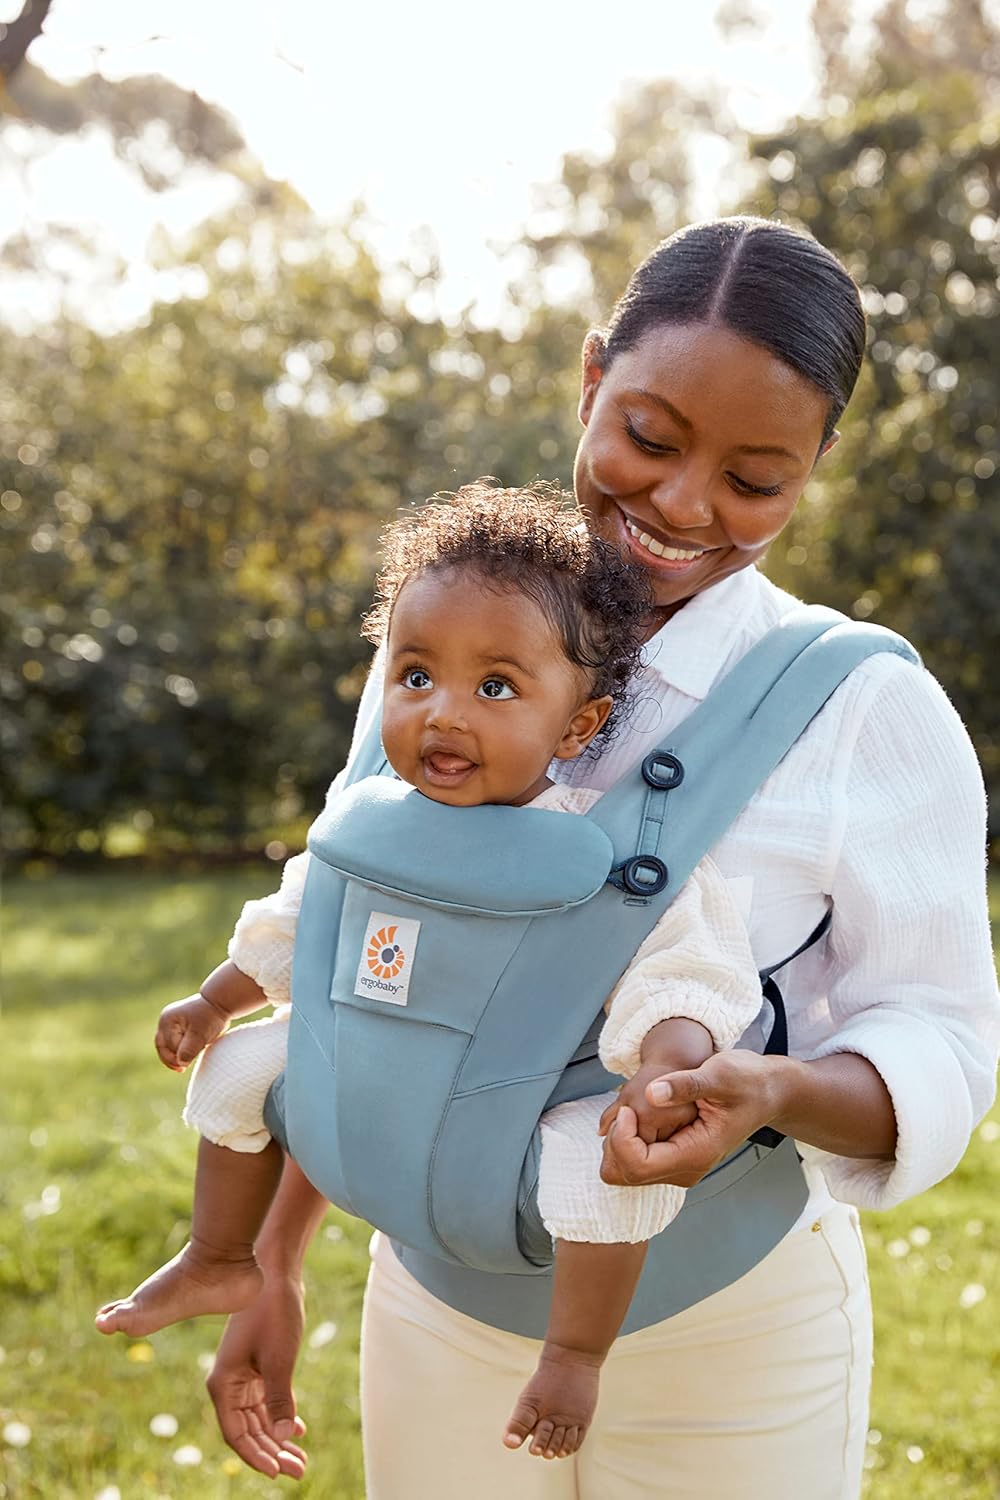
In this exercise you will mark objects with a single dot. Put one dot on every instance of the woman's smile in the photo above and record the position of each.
(655, 550)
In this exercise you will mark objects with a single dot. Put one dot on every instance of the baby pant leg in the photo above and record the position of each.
(225, 1100)
(573, 1201)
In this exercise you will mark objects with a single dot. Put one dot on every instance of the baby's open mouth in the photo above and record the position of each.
(441, 763)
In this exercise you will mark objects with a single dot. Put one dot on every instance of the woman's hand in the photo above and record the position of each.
(733, 1094)
(251, 1380)
(654, 1122)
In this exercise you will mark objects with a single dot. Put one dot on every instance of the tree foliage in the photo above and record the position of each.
(189, 507)
(902, 523)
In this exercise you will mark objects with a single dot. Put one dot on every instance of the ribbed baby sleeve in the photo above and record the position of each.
(695, 963)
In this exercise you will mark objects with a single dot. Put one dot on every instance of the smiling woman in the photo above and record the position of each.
(708, 400)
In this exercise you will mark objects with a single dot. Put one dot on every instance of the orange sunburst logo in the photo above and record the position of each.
(385, 957)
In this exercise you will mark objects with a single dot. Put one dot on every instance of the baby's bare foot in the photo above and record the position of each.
(193, 1283)
(557, 1405)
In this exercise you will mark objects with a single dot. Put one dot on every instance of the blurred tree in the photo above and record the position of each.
(588, 230)
(189, 508)
(902, 522)
(187, 521)
(153, 125)
(607, 212)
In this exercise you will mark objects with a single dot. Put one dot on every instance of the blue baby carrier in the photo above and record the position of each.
(449, 961)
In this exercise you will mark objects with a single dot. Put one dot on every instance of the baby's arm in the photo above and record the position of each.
(691, 990)
(257, 971)
(186, 1027)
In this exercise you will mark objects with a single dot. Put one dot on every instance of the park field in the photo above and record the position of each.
(96, 1189)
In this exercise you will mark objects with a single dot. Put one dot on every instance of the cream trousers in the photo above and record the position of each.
(757, 1393)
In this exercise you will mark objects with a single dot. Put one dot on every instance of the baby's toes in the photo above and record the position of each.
(115, 1317)
(571, 1441)
(542, 1441)
(556, 1446)
(520, 1423)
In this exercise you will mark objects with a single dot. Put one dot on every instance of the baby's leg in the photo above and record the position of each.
(591, 1292)
(601, 1232)
(217, 1272)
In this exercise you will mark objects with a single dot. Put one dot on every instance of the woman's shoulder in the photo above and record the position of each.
(906, 722)
(887, 695)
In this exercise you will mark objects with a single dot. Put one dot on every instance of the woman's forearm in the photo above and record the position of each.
(292, 1220)
(838, 1103)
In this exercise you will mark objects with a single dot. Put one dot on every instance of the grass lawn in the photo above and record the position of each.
(96, 1188)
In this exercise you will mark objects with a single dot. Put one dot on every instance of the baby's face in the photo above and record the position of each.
(479, 695)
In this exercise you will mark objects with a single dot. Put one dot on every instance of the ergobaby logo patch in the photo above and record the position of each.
(387, 958)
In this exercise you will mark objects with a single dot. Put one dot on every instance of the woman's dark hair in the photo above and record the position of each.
(772, 285)
(528, 541)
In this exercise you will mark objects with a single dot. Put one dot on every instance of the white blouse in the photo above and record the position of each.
(877, 810)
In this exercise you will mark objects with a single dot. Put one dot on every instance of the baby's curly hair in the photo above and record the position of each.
(529, 541)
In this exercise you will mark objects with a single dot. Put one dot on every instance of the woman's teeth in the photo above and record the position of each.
(660, 549)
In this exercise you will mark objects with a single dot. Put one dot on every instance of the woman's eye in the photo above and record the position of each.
(417, 678)
(645, 443)
(496, 687)
(746, 488)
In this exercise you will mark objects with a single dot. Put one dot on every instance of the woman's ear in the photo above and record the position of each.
(831, 442)
(589, 719)
(593, 369)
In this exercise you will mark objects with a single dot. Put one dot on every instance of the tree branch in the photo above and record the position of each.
(17, 35)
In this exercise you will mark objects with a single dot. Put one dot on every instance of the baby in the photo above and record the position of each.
(511, 638)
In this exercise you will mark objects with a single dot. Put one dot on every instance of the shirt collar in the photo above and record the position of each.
(691, 650)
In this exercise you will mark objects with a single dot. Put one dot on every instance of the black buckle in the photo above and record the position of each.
(644, 875)
(662, 770)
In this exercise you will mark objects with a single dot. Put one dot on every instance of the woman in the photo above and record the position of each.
(705, 406)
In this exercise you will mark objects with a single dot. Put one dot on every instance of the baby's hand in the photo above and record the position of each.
(185, 1028)
(654, 1122)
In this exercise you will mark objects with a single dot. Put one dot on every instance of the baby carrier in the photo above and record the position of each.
(448, 962)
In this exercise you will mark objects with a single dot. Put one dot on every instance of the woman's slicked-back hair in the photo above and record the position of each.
(775, 286)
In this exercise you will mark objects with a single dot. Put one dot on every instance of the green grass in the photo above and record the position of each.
(96, 1186)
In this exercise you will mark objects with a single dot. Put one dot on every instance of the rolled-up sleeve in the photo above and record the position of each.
(914, 987)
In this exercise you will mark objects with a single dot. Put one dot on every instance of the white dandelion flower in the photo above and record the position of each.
(188, 1457)
(324, 1334)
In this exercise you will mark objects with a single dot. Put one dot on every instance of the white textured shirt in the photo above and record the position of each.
(878, 812)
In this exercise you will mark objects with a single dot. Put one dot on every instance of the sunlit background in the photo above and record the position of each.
(271, 271)
(441, 120)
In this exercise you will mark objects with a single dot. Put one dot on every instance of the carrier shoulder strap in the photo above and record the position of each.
(699, 781)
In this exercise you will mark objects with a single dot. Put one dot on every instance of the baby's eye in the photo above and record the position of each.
(496, 687)
(418, 679)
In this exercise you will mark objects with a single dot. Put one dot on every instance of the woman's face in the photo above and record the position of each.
(697, 447)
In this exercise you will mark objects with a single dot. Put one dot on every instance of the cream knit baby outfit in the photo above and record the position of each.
(695, 963)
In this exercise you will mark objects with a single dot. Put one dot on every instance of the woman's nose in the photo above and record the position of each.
(684, 499)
